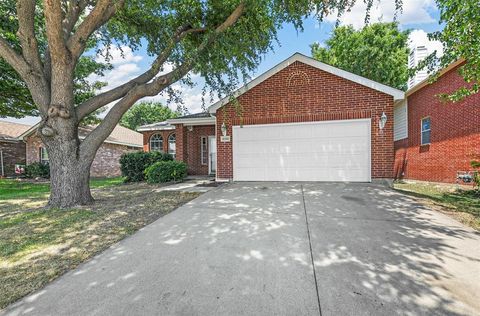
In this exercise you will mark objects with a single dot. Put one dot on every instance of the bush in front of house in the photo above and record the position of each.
(476, 174)
(37, 170)
(134, 164)
(166, 171)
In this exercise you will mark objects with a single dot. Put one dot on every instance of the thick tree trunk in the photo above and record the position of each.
(69, 171)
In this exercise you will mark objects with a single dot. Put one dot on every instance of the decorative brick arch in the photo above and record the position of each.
(298, 78)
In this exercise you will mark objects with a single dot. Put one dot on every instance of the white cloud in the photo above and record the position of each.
(126, 67)
(118, 56)
(414, 12)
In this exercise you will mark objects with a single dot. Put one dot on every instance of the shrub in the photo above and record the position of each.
(134, 164)
(166, 171)
(37, 170)
(476, 173)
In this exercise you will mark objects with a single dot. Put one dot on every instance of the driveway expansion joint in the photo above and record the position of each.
(311, 252)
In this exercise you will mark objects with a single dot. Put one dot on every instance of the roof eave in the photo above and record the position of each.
(426, 81)
(194, 121)
(152, 128)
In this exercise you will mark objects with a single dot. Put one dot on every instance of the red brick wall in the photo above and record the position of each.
(165, 134)
(188, 147)
(455, 133)
(301, 93)
(13, 153)
(105, 164)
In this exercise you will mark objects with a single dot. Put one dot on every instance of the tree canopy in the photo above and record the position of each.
(461, 39)
(15, 98)
(146, 113)
(378, 52)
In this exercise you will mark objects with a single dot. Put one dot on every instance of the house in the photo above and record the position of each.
(302, 120)
(107, 160)
(436, 141)
(12, 149)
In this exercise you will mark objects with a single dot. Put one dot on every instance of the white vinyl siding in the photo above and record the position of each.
(400, 121)
(314, 151)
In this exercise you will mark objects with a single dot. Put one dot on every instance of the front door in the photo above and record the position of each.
(212, 154)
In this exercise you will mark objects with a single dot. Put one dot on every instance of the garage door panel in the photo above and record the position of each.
(315, 145)
(316, 151)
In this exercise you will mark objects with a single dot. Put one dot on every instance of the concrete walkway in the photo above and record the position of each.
(247, 249)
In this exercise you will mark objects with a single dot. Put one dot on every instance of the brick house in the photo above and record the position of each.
(435, 140)
(106, 163)
(302, 120)
(12, 149)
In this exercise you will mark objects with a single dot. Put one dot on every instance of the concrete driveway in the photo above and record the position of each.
(280, 249)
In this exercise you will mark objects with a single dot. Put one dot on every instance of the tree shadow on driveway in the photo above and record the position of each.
(377, 251)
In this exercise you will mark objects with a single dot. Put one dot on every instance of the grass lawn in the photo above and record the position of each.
(462, 204)
(11, 189)
(37, 245)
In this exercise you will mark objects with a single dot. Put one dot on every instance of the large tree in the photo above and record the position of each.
(146, 113)
(378, 51)
(222, 40)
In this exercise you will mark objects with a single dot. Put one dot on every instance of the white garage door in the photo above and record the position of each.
(314, 151)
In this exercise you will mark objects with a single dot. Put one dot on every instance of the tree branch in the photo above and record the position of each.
(101, 13)
(26, 35)
(53, 21)
(91, 143)
(75, 8)
(105, 98)
(13, 58)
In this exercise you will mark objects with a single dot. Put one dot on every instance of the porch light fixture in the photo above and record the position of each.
(190, 128)
(382, 121)
(224, 129)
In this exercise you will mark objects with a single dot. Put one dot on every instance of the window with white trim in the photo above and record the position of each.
(426, 130)
(172, 145)
(43, 155)
(156, 142)
(204, 150)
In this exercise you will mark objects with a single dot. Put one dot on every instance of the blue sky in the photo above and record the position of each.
(418, 15)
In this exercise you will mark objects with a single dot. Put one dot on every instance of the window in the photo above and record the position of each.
(171, 145)
(425, 136)
(203, 150)
(156, 142)
(43, 155)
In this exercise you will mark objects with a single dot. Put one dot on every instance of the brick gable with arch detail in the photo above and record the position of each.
(303, 93)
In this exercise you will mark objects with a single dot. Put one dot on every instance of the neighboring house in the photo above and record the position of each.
(302, 120)
(435, 140)
(12, 149)
(106, 163)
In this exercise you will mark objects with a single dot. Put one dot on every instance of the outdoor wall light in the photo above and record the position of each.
(190, 128)
(382, 121)
(224, 129)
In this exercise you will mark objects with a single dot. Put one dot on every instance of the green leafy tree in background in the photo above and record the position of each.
(146, 113)
(461, 39)
(378, 52)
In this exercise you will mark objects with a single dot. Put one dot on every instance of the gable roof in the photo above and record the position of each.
(395, 93)
(120, 135)
(11, 131)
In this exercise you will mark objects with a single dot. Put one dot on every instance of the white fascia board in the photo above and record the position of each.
(163, 128)
(395, 93)
(194, 121)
